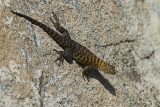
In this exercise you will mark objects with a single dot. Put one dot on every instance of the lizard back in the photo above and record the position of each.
(80, 53)
(85, 57)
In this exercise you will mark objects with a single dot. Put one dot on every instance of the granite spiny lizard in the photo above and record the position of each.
(72, 49)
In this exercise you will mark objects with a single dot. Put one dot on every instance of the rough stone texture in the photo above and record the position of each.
(125, 33)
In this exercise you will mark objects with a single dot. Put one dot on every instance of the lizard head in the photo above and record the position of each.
(108, 68)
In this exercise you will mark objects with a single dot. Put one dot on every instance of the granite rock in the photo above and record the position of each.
(123, 33)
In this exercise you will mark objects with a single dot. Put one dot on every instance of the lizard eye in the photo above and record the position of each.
(110, 68)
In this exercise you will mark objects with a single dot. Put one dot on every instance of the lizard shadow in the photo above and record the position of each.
(107, 85)
(97, 75)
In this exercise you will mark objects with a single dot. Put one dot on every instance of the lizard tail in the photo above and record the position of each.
(48, 30)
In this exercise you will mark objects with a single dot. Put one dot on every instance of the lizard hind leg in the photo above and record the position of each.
(58, 26)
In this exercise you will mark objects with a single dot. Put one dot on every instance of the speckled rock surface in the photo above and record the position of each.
(125, 33)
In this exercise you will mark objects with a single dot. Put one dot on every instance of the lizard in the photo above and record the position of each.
(72, 50)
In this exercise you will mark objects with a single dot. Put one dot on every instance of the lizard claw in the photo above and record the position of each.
(58, 52)
(60, 58)
(85, 76)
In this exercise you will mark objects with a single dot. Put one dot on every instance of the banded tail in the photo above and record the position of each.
(47, 29)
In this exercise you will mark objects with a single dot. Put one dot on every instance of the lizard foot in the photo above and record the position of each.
(85, 75)
(60, 58)
(58, 26)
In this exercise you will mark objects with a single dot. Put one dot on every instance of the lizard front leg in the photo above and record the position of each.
(58, 26)
(86, 71)
(67, 55)
(60, 58)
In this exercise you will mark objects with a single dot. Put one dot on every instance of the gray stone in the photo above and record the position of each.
(124, 33)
